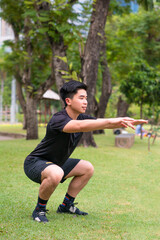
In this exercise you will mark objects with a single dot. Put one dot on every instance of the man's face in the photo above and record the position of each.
(79, 101)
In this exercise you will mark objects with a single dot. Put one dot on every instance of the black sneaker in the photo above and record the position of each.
(39, 215)
(70, 208)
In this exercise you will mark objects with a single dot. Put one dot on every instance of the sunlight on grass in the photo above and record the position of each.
(122, 197)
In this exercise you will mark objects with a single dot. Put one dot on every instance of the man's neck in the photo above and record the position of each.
(72, 114)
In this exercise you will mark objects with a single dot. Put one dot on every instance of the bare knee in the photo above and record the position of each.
(54, 179)
(89, 169)
(53, 175)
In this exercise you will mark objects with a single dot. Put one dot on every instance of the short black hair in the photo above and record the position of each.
(69, 89)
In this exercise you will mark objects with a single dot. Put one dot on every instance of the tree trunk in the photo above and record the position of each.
(106, 84)
(32, 122)
(122, 107)
(91, 56)
(88, 138)
(31, 104)
(22, 102)
(59, 50)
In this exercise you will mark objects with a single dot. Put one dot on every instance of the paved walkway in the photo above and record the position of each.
(10, 136)
(2, 138)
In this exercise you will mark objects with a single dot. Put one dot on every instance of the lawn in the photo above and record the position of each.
(122, 198)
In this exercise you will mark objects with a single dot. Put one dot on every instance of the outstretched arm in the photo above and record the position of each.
(100, 123)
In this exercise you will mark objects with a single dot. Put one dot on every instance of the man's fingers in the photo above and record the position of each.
(131, 126)
(124, 125)
(136, 122)
(128, 124)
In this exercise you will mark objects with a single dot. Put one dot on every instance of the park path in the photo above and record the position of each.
(10, 136)
(2, 138)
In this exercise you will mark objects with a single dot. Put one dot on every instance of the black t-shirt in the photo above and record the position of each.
(57, 145)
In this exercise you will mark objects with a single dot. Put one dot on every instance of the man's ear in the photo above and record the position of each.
(68, 101)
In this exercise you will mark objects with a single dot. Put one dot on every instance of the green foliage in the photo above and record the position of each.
(70, 74)
(39, 64)
(5, 79)
(12, 12)
(18, 58)
(74, 56)
(131, 37)
(118, 7)
(57, 20)
(149, 5)
(134, 38)
(7, 92)
(142, 86)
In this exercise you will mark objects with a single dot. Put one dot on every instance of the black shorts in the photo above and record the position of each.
(33, 166)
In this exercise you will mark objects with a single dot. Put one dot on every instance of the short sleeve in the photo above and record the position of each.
(58, 121)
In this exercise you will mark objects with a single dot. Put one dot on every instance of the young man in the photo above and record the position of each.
(49, 163)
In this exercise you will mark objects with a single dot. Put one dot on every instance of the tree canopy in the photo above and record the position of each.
(141, 86)
(133, 52)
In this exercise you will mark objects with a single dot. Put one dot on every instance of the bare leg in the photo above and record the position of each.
(51, 176)
(82, 172)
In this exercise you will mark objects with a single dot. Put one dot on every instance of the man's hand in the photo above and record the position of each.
(130, 122)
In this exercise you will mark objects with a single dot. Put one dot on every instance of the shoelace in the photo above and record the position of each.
(72, 204)
(72, 207)
(43, 212)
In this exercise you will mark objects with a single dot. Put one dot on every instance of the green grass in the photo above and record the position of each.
(122, 198)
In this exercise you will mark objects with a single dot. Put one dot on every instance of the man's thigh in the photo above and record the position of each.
(68, 166)
(34, 166)
(81, 168)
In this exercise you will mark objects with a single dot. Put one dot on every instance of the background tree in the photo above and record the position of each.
(141, 86)
(47, 29)
(89, 57)
(122, 107)
(106, 86)
(32, 60)
(132, 37)
(28, 60)
(149, 5)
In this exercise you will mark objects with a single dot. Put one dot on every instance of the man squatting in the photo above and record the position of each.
(50, 164)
